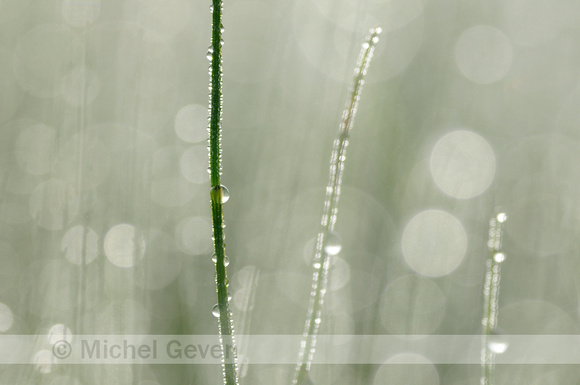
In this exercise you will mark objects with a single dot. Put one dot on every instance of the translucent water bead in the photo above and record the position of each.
(215, 310)
(226, 260)
(501, 217)
(220, 193)
(333, 244)
(499, 257)
(497, 343)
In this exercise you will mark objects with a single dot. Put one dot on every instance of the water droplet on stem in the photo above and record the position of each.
(332, 244)
(220, 194)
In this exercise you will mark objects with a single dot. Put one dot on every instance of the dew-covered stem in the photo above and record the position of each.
(219, 195)
(328, 242)
(490, 347)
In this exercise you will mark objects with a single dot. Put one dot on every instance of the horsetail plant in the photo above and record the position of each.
(219, 195)
(328, 242)
(490, 347)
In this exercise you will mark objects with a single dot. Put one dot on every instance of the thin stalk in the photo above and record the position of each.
(219, 195)
(491, 297)
(328, 243)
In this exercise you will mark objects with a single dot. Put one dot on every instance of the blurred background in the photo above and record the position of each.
(104, 193)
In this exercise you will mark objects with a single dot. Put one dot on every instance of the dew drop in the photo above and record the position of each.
(497, 343)
(229, 297)
(499, 257)
(211, 8)
(209, 53)
(333, 244)
(214, 258)
(220, 193)
(215, 310)
(501, 217)
(226, 261)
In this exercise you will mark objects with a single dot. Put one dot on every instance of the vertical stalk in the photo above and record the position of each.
(328, 242)
(490, 297)
(219, 195)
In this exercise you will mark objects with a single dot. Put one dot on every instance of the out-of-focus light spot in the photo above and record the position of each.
(6, 318)
(339, 273)
(193, 164)
(80, 13)
(35, 148)
(59, 332)
(329, 56)
(165, 20)
(80, 87)
(44, 360)
(52, 204)
(390, 14)
(246, 276)
(412, 305)
(462, 164)
(412, 369)
(124, 245)
(193, 235)
(42, 56)
(80, 243)
(533, 22)
(484, 54)
(191, 123)
(434, 243)
(10, 91)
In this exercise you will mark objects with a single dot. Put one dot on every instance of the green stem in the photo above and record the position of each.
(225, 324)
(321, 261)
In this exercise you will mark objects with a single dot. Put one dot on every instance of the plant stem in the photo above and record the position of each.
(225, 323)
(321, 260)
(491, 294)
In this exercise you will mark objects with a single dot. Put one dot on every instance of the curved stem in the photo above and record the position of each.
(321, 261)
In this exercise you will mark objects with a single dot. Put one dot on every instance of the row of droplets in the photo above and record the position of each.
(492, 343)
(328, 242)
(223, 196)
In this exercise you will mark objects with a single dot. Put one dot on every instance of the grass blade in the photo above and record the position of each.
(219, 195)
(490, 297)
(328, 242)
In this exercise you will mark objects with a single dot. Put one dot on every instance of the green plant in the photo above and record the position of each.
(328, 242)
(219, 195)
